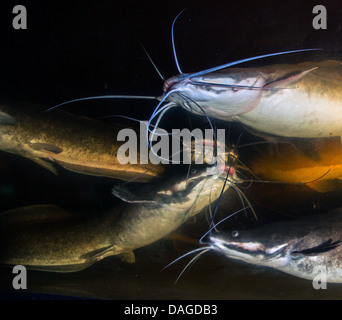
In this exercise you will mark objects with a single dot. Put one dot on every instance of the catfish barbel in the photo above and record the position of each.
(76, 143)
(291, 100)
(46, 237)
(262, 98)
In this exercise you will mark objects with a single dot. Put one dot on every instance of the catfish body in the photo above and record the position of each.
(46, 237)
(309, 108)
(306, 248)
(316, 163)
(76, 143)
(290, 100)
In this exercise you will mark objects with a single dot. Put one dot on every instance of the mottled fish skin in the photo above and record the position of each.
(76, 143)
(302, 247)
(310, 108)
(46, 237)
(306, 101)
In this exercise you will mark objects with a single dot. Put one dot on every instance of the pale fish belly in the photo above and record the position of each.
(316, 268)
(290, 113)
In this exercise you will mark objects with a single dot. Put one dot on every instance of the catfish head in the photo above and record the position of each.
(275, 245)
(229, 92)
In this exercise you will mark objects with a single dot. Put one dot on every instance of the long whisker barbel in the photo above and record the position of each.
(173, 42)
(201, 250)
(102, 97)
(191, 262)
(224, 219)
(161, 109)
(185, 255)
(154, 65)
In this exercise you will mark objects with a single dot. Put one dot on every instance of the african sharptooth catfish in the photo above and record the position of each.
(317, 163)
(76, 143)
(49, 238)
(303, 247)
(290, 100)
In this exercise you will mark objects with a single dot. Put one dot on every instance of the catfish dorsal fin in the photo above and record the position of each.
(290, 80)
(321, 248)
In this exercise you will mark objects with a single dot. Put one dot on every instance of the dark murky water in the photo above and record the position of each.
(85, 50)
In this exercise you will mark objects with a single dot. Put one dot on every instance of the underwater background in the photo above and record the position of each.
(86, 49)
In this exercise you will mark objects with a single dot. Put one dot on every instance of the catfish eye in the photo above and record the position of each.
(235, 233)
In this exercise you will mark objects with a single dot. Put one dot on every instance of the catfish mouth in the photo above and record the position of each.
(211, 172)
(255, 252)
(275, 256)
(169, 83)
(231, 247)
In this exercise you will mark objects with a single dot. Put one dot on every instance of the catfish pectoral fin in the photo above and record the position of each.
(125, 195)
(109, 251)
(128, 257)
(46, 147)
(99, 254)
(47, 165)
(289, 80)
